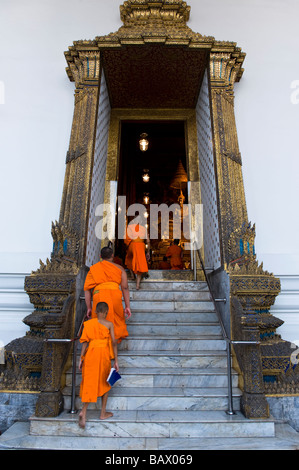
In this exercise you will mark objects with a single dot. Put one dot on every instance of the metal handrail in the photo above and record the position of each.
(74, 361)
(229, 341)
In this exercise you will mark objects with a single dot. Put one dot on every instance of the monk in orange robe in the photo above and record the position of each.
(164, 264)
(136, 257)
(175, 253)
(98, 348)
(105, 280)
(117, 260)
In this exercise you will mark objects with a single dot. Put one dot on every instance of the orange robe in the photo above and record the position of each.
(117, 260)
(164, 265)
(174, 252)
(97, 361)
(105, 278)
(135, 257)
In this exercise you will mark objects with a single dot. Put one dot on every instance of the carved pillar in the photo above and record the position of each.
(254, 287)
(225, 69)
(84, 70)
(253, 401)
(267, 368)
(54, 289)
(57, 321)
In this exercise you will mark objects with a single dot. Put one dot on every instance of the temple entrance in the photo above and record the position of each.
(154, 172)
(156, 76)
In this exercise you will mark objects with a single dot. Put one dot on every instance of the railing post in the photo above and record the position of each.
(74, 368)
(230, 410)
(194, 263)
(253, 402)
(74, 361)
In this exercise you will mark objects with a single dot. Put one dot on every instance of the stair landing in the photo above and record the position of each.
(173, 392)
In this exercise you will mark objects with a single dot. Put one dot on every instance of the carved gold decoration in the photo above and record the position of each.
(255, 287)
(180, 177)
(158, 69)
(248, 363)
(256, 291)
(30, 363)
(132, 11)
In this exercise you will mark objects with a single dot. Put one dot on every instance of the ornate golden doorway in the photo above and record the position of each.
(155, 68)
(149, 85)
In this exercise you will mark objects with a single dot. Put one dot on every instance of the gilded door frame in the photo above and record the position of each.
(192, 157)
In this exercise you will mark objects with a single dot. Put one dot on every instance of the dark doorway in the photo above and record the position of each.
(166, 149)
(162, 161)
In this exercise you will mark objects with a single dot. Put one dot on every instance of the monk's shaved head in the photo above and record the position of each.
(102, 307)
(106, 253)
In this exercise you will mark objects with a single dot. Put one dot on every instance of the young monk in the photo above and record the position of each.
(175, 253)
(107, 281)
(98, 348)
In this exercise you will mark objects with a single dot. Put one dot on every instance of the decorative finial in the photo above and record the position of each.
(154, 10)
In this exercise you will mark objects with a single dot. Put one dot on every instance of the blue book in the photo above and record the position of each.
(113, 377)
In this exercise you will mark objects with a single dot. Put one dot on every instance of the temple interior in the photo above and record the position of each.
(157, 175)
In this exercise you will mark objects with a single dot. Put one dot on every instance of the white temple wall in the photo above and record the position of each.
(36, 110)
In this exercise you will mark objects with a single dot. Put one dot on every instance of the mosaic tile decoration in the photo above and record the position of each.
(207, 178)
(99, 173)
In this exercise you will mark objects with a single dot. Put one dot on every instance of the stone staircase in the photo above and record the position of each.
(173, 392)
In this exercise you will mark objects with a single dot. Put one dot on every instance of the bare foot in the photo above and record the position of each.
(106, 415)
(82, 420)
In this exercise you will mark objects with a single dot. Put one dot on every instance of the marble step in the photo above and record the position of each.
(161, 398)
(154, 424)
(172, 306)
(162, 343)
(172, 359)
(160, 295)
(177, 286)
(167, 377)
(171, 317)
(169, 275)
(181, 360)
(18, 437)
(173, 329)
